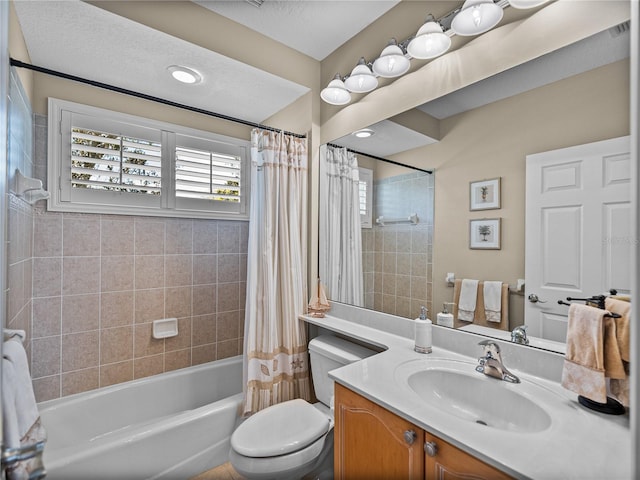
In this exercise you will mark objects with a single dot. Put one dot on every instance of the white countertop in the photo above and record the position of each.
(579, 444)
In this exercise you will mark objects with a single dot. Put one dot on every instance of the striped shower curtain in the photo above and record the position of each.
(275, 344)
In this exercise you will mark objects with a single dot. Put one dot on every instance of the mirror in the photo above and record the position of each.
(486, 131)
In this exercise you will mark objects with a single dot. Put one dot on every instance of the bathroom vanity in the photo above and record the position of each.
(367, 435)
(401, 414)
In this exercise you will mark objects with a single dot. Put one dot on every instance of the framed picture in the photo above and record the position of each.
(485, 194)
(484, 234)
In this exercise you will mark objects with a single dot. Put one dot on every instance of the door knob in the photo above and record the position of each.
(533, 298)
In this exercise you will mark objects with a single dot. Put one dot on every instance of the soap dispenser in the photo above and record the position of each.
(445, 318)
(423, 333)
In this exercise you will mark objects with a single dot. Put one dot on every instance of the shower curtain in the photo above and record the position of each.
(340, 230)
(275, 344)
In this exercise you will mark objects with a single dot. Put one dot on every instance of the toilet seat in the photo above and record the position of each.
(281, 429)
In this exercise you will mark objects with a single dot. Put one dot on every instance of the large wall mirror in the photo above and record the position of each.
(575, 95)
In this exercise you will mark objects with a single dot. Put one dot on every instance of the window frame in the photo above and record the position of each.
(65, 198)
(365, 175)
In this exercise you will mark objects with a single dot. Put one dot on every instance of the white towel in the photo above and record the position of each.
(492, 293)
(467, 301)
(20, 417)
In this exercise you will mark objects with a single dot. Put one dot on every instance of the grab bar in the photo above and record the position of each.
(413, 218)
(10, 456)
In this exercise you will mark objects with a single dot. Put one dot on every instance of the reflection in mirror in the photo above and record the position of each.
(573, 96)
(376, 226)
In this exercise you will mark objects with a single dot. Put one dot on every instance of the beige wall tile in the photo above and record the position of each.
(80, 350)
(16, 293)
(178, 270)
(204, 329)
(204, 299)
(116, 309)
(80, 381)
(228, 237)
(47, 277)
(47, 235)
(228, 348)
(179, 236)
(46, 388)
(205, 237)
(80, 313)
(177, 359)
(81, 235)
(47, 316)
(244, 237)
(149, 271)
(149, 237)
(117, 273)
(116, 345)
(116, 373)
(147, 366)
(183, 339)
(45, 356)
(144, 343)
(229, 267)
(228, 297)
(80, 275)
(117, 236)
(149, 305)
(205, 269)
(227, 326)
(177, 302)
(203, 354)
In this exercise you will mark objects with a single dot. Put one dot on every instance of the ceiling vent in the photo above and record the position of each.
(255, 3)
(620, 29)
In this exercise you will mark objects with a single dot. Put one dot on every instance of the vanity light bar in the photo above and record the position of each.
(445, 22)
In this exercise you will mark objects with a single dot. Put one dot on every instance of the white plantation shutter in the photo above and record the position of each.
(107, 162)
(365, 191)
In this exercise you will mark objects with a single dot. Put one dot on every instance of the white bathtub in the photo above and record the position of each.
(170, 426)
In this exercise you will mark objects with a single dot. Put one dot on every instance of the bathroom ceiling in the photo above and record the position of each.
(81, 39)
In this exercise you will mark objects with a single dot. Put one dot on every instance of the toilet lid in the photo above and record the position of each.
(280, 429)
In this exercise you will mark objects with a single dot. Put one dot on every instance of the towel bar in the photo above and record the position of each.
(13, 455)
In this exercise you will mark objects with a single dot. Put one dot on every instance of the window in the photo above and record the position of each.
(366, 196)
(107, 162)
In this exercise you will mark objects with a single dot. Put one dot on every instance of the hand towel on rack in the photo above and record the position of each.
(20, 416)
(492, 294)
(583, 371)
(619, 384)
(467, 301)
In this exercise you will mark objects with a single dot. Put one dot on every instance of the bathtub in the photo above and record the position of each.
(170, 426)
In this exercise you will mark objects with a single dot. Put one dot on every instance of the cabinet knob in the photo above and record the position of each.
(431, 448)
(410, 436)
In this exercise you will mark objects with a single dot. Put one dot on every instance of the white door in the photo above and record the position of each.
(578, 230)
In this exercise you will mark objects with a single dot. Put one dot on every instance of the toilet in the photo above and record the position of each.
(294, 439)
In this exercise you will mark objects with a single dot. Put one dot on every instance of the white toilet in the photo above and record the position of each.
(294, 439)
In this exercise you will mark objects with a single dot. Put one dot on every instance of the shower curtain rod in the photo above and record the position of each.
(17, 63)
(430, 172)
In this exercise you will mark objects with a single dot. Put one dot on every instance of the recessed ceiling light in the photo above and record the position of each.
(364, 133)
(185, 74)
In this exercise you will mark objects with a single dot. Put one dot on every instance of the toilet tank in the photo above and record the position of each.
(328, 353)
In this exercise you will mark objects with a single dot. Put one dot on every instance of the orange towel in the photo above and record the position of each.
(584, 371)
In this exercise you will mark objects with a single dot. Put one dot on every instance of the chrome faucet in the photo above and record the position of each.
(491, 363)
(519, 335)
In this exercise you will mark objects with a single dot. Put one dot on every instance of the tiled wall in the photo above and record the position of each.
(99, 281)
(397, 258)
(19, 214)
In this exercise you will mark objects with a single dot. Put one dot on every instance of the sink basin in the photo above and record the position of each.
(474, 397)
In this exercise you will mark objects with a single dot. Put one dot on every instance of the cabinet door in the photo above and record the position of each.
(451, 463)
(373, 443)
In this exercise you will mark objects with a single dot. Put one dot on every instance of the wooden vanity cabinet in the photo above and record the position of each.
(373, 443)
